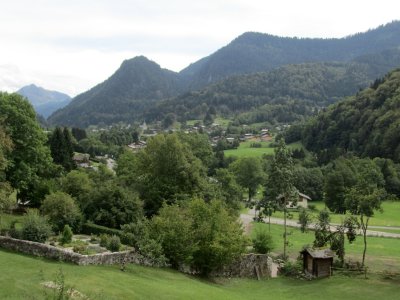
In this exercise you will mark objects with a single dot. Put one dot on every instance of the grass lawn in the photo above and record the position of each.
(24, 275)
(389, 217)
(6, 219)
(382, 253)
(245, 149)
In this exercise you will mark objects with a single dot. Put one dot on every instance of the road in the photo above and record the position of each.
(247, 218)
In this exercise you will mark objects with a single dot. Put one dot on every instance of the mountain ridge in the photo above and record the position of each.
(140, 83)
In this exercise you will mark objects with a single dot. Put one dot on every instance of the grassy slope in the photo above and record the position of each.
(100, 282)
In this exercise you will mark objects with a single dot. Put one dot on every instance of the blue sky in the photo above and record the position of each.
(72, 45)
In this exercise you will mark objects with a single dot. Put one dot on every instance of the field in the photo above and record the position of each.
(22, 275)
(390, 216)
(382, 253)
(245, 149)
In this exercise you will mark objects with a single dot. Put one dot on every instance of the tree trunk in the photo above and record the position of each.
(364, 227)
(285, 233)
(269, 222)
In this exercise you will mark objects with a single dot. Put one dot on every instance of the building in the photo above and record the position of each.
(301, 202)
(317, 262)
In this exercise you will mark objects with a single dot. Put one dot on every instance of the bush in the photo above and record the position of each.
(134, 233)
(14, 232)
(104, 240)
(35, 227)
(80, 246)
(262, 241)
(312, 207)
(114, 244)
(66, 236)
(153, 251)
(61, 210)
(292, 269)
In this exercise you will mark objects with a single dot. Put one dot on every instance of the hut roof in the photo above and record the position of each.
(319, 253)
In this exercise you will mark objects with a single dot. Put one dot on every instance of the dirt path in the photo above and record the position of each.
(247, 219)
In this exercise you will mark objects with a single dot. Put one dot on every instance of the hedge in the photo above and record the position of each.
(91, 228)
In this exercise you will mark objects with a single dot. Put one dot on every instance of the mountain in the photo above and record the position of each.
(256, 52)
(137, 89)
(367, 124)
(284, 95)
(134, 87)
(44, 101)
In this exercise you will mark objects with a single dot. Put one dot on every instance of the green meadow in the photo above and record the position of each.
(22, 275)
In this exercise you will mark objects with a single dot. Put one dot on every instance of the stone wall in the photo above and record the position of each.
(248, 265)
(38, 249)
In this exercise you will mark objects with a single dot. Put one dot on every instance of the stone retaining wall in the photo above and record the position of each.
(248, 265)
(52, 252)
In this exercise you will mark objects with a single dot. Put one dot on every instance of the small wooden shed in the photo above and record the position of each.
(317, 262)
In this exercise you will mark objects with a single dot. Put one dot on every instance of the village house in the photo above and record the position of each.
(302, 201)
(81, 160)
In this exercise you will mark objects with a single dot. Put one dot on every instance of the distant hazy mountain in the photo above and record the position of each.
(136, 85)
(256, 52)
(140, 84)
(44, 101)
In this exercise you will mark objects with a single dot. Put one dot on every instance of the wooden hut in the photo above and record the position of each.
(317, 262)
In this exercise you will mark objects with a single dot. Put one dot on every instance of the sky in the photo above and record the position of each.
(72, 45)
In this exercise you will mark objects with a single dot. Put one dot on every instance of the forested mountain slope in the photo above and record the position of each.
(367, 124)
(131, 89)
(255, 52)
(327, 69)
(287, 94)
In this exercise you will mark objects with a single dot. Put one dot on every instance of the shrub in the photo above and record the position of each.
(61, 210)
(66, 236)
(262, 241)
(114, 244)
(35, 227)
(104, 240)
(292, 269)
(219, 237)
(153, 251)
(80, 246)
(14, 232)
(312, 207)
(173, 228)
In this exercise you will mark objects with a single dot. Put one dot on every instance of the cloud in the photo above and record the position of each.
(73, 45)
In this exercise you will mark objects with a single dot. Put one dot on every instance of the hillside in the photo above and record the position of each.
(287, 94)
(45, 102)
(136, 85)
(256, 52)
(327, 70)
(367, 124)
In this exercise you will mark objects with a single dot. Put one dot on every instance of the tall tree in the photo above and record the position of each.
(280, 184)
(249, 174)
(30, 160)
(61, 148)
(363, 201)
(78, 133)
(167, 170)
